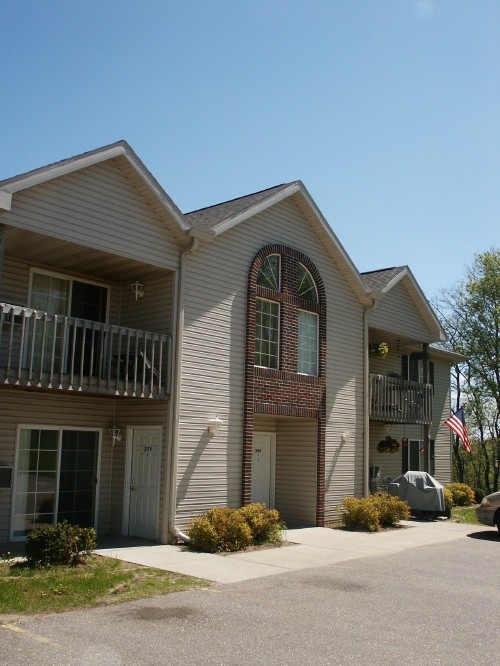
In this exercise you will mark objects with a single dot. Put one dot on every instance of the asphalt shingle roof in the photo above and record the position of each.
(380, 279)
(211, 216)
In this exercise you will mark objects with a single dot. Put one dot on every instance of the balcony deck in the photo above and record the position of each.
(58, 353)
(396, 400)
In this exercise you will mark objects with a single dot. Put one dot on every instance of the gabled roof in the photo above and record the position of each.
(380, 283)
(381, 279)
(149, 186)
(212, 216)
(224, 216)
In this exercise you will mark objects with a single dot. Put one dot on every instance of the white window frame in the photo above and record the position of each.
(69, 278)
(59, 429)
(312, 314)
(268, 300)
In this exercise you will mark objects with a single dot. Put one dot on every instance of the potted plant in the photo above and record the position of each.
(388, 445)
(378, 349)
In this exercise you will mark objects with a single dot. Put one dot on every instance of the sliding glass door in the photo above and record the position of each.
(55, 478)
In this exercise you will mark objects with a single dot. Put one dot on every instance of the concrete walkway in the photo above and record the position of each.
(311, 547)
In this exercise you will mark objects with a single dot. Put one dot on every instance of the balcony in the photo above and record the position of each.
(395, 400)
(59, 353)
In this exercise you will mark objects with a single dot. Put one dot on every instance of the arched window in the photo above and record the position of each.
(269, 275)
(306, 285)
(287, 308)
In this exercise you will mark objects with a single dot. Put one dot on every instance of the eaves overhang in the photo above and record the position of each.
(121, 149)
(303, 199)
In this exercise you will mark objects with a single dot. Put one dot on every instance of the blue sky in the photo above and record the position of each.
(387, 110)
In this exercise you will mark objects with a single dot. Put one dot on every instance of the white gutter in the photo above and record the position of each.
(169, 507)
(366, 391)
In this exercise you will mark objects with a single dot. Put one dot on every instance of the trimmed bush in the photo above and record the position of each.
(391, 509)
(360, 514)
(462, 494)
(59, 544)
(220, 529)
(203, 535)
(264, 523)
(448, 502)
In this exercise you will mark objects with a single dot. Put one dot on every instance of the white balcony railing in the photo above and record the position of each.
(396, 400)
(40, 350)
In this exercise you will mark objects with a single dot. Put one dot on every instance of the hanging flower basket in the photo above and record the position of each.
(378, 349)
(388, 445)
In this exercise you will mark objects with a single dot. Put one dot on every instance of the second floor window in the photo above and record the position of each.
(267, 333)
(307, 352)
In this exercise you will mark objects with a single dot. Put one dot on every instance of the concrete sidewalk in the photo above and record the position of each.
(310, 547)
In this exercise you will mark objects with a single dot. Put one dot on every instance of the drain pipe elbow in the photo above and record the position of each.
(180, 535)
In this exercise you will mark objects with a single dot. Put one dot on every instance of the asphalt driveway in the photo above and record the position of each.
(437, 603)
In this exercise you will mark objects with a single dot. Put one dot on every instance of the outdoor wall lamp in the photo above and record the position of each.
(213, 426)
(116, 434)
(138, 290)
(344, 437)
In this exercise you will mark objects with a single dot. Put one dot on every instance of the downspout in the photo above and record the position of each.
(168, 526)
(366, 390)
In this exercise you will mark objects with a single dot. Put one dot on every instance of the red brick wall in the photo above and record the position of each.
(283, 392)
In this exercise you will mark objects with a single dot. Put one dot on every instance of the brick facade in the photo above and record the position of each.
(284, 392)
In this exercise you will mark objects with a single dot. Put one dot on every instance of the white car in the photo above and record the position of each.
(488, 512)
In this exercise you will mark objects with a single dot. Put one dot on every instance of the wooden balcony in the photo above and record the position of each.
(58, 353)
(395, 400)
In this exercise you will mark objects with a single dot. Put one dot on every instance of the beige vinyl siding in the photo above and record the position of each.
(295, 486)
(154, 311)
(39, 409)
(96, 207)
(14, 282)
(441, 412)
(209, 470)
(398, 314)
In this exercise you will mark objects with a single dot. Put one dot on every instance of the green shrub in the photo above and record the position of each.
(203, 535)
(462, 494)
(391, 509)
(479, 493)
(59, 544)
(360, 514)
(220, 529)
(264, 523)
(448, 502)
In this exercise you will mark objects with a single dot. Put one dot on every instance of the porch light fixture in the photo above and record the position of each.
(138, 290)
(344, 437)
(115, 433)
(213, 426)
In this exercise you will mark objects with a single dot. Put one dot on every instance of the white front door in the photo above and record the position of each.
(263, 463)
(144, 478)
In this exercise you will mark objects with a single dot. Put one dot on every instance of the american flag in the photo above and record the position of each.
(456, 423)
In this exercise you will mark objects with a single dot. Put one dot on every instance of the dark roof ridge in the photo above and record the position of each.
(243, 196)
(383, 270)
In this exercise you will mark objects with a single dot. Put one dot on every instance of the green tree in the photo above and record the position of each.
(471, 316)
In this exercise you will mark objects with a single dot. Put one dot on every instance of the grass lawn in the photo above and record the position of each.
(464, 514)
(98, 582)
